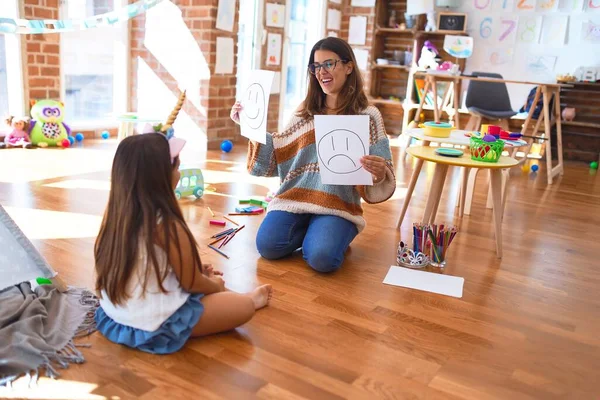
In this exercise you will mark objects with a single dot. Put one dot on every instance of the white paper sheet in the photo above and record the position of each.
(334, 19)
(357, 33)
(554, 30)
(224, 63)
(362, 59)
(332, 34)
(255, 104)
(415, 7)
(425, 281)
(341, 141)
(275, 15)
(336, 1)
(275, 88)
(363, 3)
(529, 29)
(273, 49)
(226, 15)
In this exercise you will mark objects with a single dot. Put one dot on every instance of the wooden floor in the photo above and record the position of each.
(526, 327)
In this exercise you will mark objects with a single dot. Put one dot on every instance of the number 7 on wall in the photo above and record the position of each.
(528, 4)
(510, 24)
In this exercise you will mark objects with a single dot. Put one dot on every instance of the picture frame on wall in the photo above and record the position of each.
(451, 22)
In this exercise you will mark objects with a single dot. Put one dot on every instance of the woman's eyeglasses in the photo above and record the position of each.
(329, 66)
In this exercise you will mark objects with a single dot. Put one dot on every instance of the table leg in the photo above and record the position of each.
(548, 129)
(470, 189)
(436, 111)
(496, 179)
(559, 147)
(121, 133)
(435, 192)
(505, 176)
(531, 111)
(456, 98)
(411, 187)
(463, 191)
(417, 117)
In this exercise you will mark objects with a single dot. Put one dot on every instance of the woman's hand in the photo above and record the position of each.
(375, 165)
(209, 271)
(235, 112)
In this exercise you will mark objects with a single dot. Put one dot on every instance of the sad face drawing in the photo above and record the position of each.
(254, 106)
(340, 151)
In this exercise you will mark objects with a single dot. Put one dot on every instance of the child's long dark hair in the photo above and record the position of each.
(141, 192)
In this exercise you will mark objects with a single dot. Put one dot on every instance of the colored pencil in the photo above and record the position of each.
(218, 251)
(231, 235)
(232, 221)
(211, 211)
(226, 231)
(217, 240)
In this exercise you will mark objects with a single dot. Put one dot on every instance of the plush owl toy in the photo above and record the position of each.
(47, 128)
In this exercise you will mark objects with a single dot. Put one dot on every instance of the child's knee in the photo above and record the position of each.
(267, 249)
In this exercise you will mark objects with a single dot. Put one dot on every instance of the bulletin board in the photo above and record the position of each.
(532, 39)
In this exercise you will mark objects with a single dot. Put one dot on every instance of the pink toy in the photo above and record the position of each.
(568, 114)
(19, 136)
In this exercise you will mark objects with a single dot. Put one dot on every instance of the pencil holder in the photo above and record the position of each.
(437, 254)
(486, 151)
(407, 257)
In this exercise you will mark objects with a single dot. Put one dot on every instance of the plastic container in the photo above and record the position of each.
(441, 129)
(486, 151)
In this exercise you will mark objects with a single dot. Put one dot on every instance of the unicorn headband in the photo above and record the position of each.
(175, 144)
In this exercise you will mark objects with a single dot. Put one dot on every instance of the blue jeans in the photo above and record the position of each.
(323, 238)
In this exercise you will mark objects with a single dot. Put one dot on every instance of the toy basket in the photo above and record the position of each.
(486, 151)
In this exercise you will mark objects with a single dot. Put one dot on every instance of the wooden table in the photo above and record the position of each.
(439, 177)
(457, 138)
(547, 90)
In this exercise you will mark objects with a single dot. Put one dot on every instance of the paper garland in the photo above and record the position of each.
(37, 26)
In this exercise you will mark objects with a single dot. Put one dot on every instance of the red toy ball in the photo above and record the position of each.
(65, 143)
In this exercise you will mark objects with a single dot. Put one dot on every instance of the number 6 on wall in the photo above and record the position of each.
(485, 28)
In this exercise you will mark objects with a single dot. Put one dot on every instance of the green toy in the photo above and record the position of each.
(190, 183)
(47, 127)
(594, 165)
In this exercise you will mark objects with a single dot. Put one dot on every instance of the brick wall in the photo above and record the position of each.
(41, 74)
(370, 13)
(209, 107)
(334, 6)
(274, 100)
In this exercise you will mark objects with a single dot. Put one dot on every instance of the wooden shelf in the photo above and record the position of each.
(582, 124)
(400, 67)
(394, 103)
(380, 30)
(443, 33)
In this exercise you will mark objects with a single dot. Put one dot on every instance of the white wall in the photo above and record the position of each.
(570, 54)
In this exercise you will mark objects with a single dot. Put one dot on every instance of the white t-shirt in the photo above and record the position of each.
(147, 311)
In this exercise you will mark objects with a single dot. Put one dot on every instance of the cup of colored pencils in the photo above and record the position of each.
(440, 238)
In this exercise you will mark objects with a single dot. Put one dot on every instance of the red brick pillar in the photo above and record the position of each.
(369, 12)
(41, 74)
(274, 100)
(209, 107)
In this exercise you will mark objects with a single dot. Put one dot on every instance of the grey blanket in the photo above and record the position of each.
(37, 329)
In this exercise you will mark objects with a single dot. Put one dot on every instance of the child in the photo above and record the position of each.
(155, 293)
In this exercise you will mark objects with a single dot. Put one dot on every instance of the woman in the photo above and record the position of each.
(321, 219)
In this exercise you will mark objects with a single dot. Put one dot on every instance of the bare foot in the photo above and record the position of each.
(261, 296)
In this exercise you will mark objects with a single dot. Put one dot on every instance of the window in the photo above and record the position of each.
(248, 47)
(185, 182)
(305, 28)
(193, 180)
(94, 65)
(11, 78)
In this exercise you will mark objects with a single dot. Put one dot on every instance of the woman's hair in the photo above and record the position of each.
(351, 99)
(140, 202)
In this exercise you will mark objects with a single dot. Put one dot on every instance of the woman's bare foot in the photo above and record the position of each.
(261, 296)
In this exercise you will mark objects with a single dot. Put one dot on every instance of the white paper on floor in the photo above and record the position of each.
(425, 281)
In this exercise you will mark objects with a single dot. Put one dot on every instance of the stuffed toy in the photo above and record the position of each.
(19, 136)
(430, 27)
(429, 56)
(47, 126)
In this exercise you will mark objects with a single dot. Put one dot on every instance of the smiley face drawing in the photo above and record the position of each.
(339, 151)
(254, 105)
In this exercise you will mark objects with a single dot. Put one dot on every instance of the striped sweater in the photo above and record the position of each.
(292, 156)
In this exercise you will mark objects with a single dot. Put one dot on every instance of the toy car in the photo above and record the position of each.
(190, 183)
